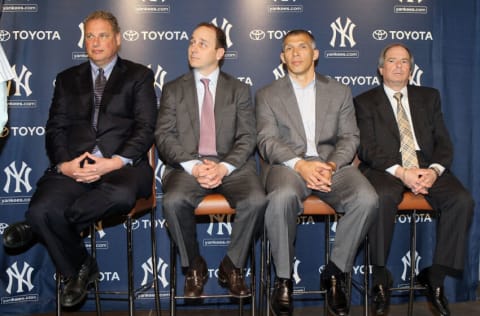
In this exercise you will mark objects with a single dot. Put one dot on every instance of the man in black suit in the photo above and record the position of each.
(97, 144)
(207, 158)
(385, 161)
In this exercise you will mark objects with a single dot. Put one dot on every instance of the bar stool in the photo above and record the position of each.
(212, 204)
(311, 206)
(414, 204)
(142, 206)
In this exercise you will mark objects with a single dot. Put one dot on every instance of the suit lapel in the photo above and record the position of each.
(322, 102)
(386, 112)
(190, 99)
(417, 114)
(85, 84)
(220, 101)
(290, 106)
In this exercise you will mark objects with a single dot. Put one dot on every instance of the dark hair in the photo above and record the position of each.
(103, 15)
(299, 32)
(219, 34)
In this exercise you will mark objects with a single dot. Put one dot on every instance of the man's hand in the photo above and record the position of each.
(418, 180)
(317, 174)
(209, 174)
(88, 168)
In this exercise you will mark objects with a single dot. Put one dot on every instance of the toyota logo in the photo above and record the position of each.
(257, 35)
(130, 35)
(380, 35)
(4, 35)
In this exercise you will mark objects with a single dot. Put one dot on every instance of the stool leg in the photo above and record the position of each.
(262, 283)
(253, 280)
(153, 238)
(366, 277)
(413, 250)
(268, 274)
(327, 258)
(131, 293)
(58, 282)
(173, 278)
(93, 250)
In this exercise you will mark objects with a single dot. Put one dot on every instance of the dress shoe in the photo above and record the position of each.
(231, 277)
(435, 294)
(281, 300)
(75, 289)
(17, 235)
(381, 299)
(195, 278)
(336, 288)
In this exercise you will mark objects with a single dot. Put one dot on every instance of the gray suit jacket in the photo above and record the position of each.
(280, 130)
(178, 121)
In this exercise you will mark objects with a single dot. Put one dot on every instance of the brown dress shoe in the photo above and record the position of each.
(195, 278)
(231, 277)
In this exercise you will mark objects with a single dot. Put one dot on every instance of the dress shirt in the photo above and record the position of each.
(306, 105)
(200, 87)
(107, 71)
(393, 102)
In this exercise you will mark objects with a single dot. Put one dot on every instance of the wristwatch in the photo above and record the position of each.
(437, 171)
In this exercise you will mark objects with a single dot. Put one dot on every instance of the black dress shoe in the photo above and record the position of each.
(281, 300)
(337, 302)
(195, 278)
(75, 289)
(435, 294)
(381, 299)
(231, 277)
(18, 235)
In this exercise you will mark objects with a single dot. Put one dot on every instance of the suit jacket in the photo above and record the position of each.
(281, 134)
(178, 122)
(126, 118)
(380, 139)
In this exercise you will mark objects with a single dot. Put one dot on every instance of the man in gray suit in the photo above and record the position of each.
(199, 162)
(308, 137)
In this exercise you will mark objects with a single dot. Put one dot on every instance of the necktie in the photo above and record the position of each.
(407, 146)
(206, 144)
(100, 82)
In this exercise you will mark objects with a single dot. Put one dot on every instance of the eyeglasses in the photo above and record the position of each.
(101, 37)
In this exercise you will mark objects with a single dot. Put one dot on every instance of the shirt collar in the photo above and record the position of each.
(107, 70)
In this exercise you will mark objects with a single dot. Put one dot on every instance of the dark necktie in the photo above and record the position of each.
(407, 146)
(100, 82)
(207, 144)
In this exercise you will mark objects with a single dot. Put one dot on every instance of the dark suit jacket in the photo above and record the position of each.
(126, 120)
(379, 136)
(178, 124)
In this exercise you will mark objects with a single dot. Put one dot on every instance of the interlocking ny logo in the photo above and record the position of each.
(416, 76)
(224, 221)
(80, 41)
(162, 271)
(345, 31)
(23, 278)
(160, 74)
(406, 263)
(20, 178)
(296, 277)
(226, 27)
(279, 72)
(21, 81)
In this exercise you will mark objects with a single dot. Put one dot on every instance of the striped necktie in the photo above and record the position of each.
(100, 82)
(207, 143)
(407, 146)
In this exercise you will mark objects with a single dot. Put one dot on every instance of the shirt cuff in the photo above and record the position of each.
(229, 167)
(126, 161)
(291, 163)
(188, 165)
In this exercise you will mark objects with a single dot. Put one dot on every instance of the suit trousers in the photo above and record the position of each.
(61, 208)
(351, 195)
(448, 197)
(244, 193)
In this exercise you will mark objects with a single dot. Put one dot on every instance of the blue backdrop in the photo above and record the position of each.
(43, 37)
